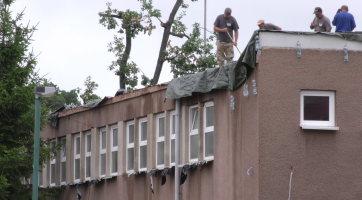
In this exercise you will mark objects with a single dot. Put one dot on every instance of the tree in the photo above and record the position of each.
(191, 57)
(88, 94)
(17, 82)
(132, 24)
(60, 97)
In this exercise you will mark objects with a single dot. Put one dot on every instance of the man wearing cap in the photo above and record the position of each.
(320, 23)
(343, 20)
(224, 24)
(267, 26)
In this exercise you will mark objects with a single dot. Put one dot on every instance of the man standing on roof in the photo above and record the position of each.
(320, 23)
(343, 20)
(225, 24)
(267, 26)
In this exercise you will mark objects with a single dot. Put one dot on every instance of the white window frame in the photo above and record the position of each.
(172, 136)
(141, 144)
(53, 162)
(63, 158)
(102, 151)
(160, 139)
(323, 125)
(208, 129)
(192, 132)
(113, 149)
(40, 177)
(130, 145)
(76, 156)
(87, 154)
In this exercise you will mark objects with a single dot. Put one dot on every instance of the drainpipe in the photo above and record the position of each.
(177, 149)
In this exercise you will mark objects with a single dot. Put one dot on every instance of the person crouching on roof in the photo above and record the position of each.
(224, 25)
(267, 26)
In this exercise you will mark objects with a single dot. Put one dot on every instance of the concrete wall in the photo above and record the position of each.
(326, 163)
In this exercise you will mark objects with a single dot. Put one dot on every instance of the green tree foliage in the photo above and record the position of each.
(132, 23)
(17, 82)
(88, 94)
(193, 56)
(60, 97)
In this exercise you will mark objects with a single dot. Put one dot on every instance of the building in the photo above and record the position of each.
(306, 116)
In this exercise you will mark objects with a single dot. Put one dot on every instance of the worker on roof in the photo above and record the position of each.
(343, 20)
(320, 23)
(267, 26)
(224, 25)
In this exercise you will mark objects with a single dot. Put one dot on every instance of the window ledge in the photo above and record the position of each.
(330, 128)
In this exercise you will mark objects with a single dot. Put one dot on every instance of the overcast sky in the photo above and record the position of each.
(74, 44)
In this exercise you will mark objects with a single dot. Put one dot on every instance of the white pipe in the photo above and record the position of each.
(177, 149)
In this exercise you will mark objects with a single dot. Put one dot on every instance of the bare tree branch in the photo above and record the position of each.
(115, 16)
(180, 35)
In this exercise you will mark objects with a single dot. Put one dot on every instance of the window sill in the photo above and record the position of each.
(142, 170)
(328, 128)
(160, 167)
(209, 159)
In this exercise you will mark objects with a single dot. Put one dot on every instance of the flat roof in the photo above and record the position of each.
(311, 40)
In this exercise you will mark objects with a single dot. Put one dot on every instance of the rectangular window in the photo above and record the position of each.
(317, 108)
(172, 137)
(76, 158)
(52, 163)
(63, 161)
(114, 150)
(143, 144)
(103, 152)
(40, 179)
(160, 135)
(88, 154)
(194, 130)
(209, 131)
(130, 146)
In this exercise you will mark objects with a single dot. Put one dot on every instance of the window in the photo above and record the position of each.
(76, 158)
(103, 152)
(172, 137)
(40, 179)
(88, 154)
(209, 131)
(130, 146)
(143, 144)
(52, 164)
(63, 160)
(160, 135)
(194, 136)
(114, 150)
(317, 110)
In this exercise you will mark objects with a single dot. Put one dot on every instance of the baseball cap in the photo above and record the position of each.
(228, 11)
(317, 10)
(260, 21)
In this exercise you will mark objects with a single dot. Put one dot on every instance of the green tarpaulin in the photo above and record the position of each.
(232, 75)
(229, 76)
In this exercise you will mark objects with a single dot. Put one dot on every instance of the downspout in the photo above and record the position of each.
(177, 149)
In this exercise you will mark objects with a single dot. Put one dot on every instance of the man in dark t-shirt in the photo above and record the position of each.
(225, 24)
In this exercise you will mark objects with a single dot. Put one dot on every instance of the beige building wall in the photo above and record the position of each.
(326, 163)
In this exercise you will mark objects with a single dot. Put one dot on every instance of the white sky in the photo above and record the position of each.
(74, 44)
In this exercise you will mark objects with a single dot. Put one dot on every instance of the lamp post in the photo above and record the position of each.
(45, 92)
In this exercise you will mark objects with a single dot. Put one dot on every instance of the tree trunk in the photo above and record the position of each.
(124, 60)
(166, 35)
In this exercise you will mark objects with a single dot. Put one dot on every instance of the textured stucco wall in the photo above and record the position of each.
(327, 164)
(235, 149)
